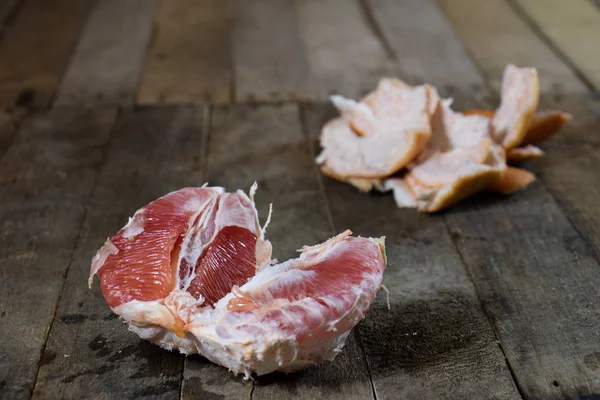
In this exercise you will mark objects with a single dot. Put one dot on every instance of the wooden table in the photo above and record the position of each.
(107, 105)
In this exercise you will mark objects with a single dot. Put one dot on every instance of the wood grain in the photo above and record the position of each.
(7, 8)
(46, 178)
(270, 60)
(532, 268)
(536, 278)
(108, 59)
(343, 53)
(8, 130)
(495, 37)
(90, 353)
(267, 145)
(435, 341)
(34, 52)
(189, 60)
(305, 50)
(570, 26)
(568, 168)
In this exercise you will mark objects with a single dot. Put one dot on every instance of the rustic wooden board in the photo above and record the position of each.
(305, 50)
(269, 56)
(571, 26)
(427, 49)
(189, 59)
(343, 53)
(533, 270)
(537, 278)
(106, 64)
(34, 53)
(46, 178)
(104, 358)
(267, 145)
(568, 168)
(8, 130)
(491, 27)
(7, 8)
(435, 341)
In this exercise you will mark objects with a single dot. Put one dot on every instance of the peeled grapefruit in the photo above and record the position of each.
(192, 271)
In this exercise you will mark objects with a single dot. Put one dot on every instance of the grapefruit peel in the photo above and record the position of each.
(472, 160)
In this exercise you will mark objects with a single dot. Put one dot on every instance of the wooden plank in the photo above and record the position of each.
(90, 353)
(189, 59)
(270, 61)
(343, 53)
(266, 144)
(34, 52)
(435, 341)
(7, 7)
(568, 167)
(8, 130)
(492, 28)
(537, 278)
(534, 272)
(305, 50)
(427, 49)
(570, 26)
(46, 178)
(107, 62)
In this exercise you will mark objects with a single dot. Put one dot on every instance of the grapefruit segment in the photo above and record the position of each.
(192, 271)
(231, 255)
(141, 267)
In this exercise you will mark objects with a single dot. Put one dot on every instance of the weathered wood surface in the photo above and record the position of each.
(435, 341)
(534, 271)
(46, 178)
(7, 8)
(269, 55)
(492, 26)
(106, 64)
(152, 152)
(570, 26)
(514, 275)
(8, 130)
(189, 59)
(35, 50)
(270, 143)
(304, 50)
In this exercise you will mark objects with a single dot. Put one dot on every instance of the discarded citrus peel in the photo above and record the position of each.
(463, 153)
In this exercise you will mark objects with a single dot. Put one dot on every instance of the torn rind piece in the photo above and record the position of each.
(520, 98)
(512, 180)
(460, 160)
(524, 153)
(544, 126)
(375, 140)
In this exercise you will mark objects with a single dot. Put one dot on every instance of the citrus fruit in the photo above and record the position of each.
(192, 271)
